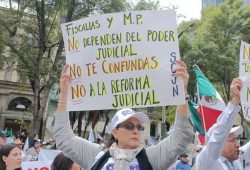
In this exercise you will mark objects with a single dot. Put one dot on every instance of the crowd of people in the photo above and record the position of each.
(124, 149)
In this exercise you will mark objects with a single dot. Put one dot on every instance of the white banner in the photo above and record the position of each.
(36, 165)
(245, 76)
(48, 154)
(44, 155)
(123, 60)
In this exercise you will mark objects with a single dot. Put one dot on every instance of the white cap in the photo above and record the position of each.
(126, 113)
(237, 131)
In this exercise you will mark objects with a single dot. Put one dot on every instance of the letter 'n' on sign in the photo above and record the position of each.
(78, 91)
(75, 71)
(73, 44)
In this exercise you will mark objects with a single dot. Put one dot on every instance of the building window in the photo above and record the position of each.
(19, 104)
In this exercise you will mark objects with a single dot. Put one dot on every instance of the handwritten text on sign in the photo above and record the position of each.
(245, 76)
(123, 60)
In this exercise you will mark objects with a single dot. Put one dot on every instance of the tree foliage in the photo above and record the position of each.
(214, 43)
(33, 40)
(147, 5)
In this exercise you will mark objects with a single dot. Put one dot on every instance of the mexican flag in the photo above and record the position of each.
(195, 117)
(210, 103)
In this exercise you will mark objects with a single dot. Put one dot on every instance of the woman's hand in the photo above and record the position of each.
(64, 82)
(182, 71)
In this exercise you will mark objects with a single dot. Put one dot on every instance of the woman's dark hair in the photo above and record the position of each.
(61, 162)
(111, 141)
(5, 151)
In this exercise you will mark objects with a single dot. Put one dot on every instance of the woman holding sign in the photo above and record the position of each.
(125, 150)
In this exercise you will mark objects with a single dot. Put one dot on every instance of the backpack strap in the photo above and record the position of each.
(143, 161)
(101, 161)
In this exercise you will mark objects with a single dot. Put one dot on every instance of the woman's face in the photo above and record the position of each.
(75, 166)
(14, 159)
(128, 134)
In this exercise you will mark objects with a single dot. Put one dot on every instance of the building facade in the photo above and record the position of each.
(15, 101)
(208, 3)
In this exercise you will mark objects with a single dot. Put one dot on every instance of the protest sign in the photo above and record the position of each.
(123, 60)
(36, 165)
(48, 154)
(245, 76)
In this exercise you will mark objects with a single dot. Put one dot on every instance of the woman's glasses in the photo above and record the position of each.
(131, 126)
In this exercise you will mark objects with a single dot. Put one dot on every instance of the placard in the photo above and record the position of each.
(245, 76)
(123, 60)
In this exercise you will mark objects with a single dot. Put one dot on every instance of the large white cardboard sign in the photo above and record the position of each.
(123, 60)
(245, 76)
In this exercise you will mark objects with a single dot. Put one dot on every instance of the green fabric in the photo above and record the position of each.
(205, 88)
(195, 117)
(11, 133)
(6, 131)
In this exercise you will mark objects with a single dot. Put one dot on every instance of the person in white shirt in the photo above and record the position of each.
(222, 147)
(3, 138)
(245, 156)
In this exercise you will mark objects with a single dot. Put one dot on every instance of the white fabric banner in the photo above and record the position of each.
(26, 145)
(44, 155)
(245, 76)
(36, 165)
(123, 60)
(47, 154)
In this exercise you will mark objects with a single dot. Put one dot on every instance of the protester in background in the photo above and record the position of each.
(124, 150)
(34, 140)
(3, 138)
(32, 153)
(18, 142)
(173, 166)
(245, 156)
(183, 163)
(193, 155)
(10, 157)
(38, 146)
(61, 162)
(23, 137)
(222, 147)
(100, 141)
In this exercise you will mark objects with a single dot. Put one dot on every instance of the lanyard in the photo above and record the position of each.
(232, 167)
